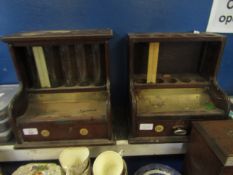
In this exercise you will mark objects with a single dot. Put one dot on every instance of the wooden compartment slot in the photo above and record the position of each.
(97, 65)
(55, 67)
(65, 106)
(175, 101)
(53, 61)
(68, 65)
(30, 66)
(41, 66)
(82, 66)
(174, 57)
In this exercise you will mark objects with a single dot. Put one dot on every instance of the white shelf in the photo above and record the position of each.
(8, 153)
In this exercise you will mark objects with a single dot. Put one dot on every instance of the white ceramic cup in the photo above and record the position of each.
(108, 163)
(74, 160)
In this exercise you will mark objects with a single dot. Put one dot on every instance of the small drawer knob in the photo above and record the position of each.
(159, 128)
(83, 131)
(45, 133)
(180, 131)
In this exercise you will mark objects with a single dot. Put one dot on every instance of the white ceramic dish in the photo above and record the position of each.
(108, 163)
(5, 136)
(5, 124)
(7, 94)
(74, 160)
(39, 168)
(88, 170)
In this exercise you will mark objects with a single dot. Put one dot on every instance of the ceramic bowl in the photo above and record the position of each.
(108, 163)
(74, 160)
(39, 168)
(4, 124)
(156, 169)
(88, 169)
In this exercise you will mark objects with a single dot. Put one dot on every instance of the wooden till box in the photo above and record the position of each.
(173, 82)
(65, 94)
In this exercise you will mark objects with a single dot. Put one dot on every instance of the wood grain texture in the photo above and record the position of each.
(58, 36)
(65, 130)
(152, 62)
(167, 102)
(186, 61)
(219, 136)
(209, 148)
(41, 66)
(60, 112)
(65, 106)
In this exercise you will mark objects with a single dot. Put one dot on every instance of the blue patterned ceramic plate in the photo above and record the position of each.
(156, 169)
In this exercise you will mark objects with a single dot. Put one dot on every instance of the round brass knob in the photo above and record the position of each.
(159, 128)
(45, 133)
(83, 131)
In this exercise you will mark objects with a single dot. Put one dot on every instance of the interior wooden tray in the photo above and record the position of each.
(173, 79)
(66, 106)
(175, 101)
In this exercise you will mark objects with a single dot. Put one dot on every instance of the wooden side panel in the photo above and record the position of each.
(200, 159)
(227, 171)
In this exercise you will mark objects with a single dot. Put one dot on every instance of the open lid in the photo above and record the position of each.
(156, 57)
(61, 59)
(58, 35)
(219, 136)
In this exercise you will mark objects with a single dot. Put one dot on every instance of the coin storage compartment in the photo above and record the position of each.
(173, 78)
(65, 92)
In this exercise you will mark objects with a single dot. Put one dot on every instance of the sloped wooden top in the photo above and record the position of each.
(219, 136)
(58, 35)
(176, 36)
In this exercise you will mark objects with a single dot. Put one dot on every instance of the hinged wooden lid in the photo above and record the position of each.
(154, 55)
(219, 136)
(94, 34)
(138, 37)
(61, 60)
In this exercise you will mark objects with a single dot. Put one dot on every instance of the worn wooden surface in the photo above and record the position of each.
(152, 62)
(219, 136)
(208, 139)
(65, 106)
(65, 130)
(59, 112)
(58, 35)
(186, 87)
(167, 102)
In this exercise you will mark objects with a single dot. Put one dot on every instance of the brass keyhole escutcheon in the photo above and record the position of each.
(159, 128)
(83, 131)
(45, 133)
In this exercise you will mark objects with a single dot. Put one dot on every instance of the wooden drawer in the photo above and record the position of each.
(50, 131)
(163, 128)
